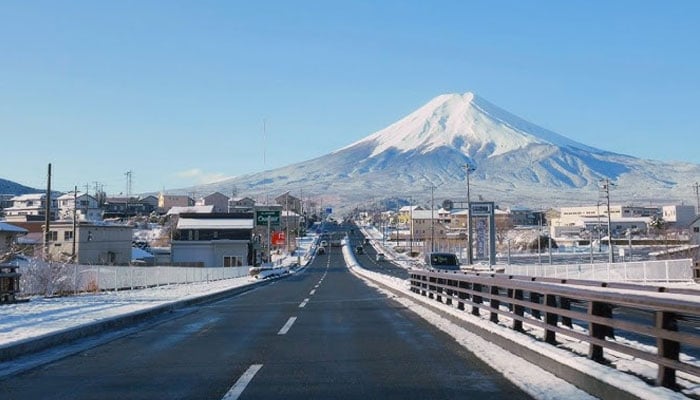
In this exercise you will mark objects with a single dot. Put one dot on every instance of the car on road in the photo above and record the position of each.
(380, 257)
(324, 243)
(359, 250)
(321, 250)
(442, 261)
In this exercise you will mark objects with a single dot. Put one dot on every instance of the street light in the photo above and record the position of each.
(469, 168)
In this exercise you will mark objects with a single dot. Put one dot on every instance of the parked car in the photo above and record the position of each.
(442, 261)
(380, 257)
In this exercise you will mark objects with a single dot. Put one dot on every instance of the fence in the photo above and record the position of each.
(671, 321)
(53, 278)
(639, 271)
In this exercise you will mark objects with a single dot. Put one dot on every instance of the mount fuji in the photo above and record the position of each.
(515, 163)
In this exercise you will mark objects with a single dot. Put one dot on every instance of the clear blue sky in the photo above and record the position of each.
(177, 91)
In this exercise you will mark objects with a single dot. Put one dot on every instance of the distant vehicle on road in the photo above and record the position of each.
(324, 243)
(321, 250)
(380, 257)
(442, 261)
(359, 250)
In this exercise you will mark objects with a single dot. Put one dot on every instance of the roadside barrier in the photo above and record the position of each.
(671, 320)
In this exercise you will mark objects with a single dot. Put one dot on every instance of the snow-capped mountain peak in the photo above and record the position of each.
(465, 122)
(516, 162)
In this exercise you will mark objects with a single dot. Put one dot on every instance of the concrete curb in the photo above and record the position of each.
(12, 351)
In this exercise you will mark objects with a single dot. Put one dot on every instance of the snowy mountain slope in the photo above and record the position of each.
(516, 162)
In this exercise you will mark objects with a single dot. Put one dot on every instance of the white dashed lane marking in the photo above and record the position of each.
(287, 326)
(242, 382)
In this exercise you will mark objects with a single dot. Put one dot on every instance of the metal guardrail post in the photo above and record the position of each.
(449, 292)
(495, 303)
(598, 331)
(476, 299)
(565, 304)
(551, 319)
(535, 298)
(668, 349)
(438, 289)
(462, 295)
(519, 310)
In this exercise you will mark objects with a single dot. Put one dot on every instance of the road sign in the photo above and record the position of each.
(262, 216)
(278, 238)
(329, 210)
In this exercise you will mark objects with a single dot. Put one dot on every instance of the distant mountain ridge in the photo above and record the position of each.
(517, 163)
(9, 187)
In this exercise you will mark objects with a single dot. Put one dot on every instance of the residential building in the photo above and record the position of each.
(289, 202)
(429, 223)
(198, 209)
(167, 201)
(125, 207)
(95, 242)
(213, 240)
(241, 204)
(695, 231)
(87, 210)
(5, 201)
(218, 200)
(8, 236)
(30, 207)
(405, 213)
(151, 202)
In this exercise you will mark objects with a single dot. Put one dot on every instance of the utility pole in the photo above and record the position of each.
(410, 210)
(128, 193)
(75, 219)
(432, 218)
(469, 168)
(606, 189)
(697, 196)
(47, 218)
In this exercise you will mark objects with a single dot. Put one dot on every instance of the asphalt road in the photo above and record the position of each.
(321, 333)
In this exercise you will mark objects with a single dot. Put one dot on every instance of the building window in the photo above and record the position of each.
(232, 261)
(53, 235)
(696, 229)
(68, 235)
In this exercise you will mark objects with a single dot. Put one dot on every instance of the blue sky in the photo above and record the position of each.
(177, 91)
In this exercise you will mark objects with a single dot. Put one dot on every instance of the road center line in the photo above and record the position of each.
(240, 385)
(303, 303)
(287, 326)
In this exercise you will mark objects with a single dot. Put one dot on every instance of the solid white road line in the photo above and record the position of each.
(240, 385)
(286, 326)
(303, 303)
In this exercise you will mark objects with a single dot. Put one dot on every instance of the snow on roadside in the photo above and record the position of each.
(41, 316)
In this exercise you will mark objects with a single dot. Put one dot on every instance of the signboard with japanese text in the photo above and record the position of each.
(263, 216)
